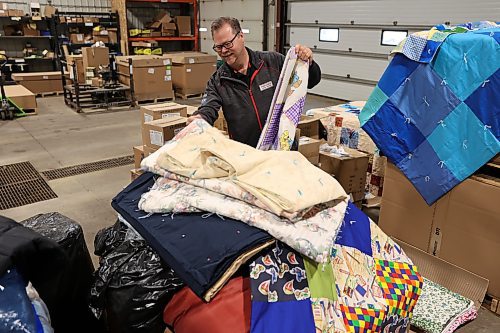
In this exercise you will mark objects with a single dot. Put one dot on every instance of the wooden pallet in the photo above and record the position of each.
(155, 100)
(184, 96)
(51, 93)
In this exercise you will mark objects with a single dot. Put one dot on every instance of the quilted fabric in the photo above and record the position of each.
(439, 121)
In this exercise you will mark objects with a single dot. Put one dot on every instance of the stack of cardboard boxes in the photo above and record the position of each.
(159, 123)
(152, 76)
(462, 227)
(191, 72)
(165, 25)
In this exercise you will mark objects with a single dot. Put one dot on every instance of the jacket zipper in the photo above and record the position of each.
(251, 95)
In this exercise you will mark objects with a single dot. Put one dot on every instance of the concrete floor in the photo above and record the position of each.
(59, 137)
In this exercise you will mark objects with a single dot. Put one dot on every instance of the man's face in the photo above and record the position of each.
(224, 36)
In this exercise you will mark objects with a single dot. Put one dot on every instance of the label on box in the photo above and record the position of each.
(79, 38)
(168, 72)
(131, 69)
(45, 77)
(176, 131)
(148, 117)
(168, 115)
(168, 78)
(166, 62)
(89, 24)
(19, 60)
(191, 60)
(151, 70)
(188, 70)
(156, 138)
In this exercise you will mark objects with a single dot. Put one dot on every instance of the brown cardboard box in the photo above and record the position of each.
(148, 150)
(4, 9)
(40, 82)
(152, 76)
(29, 29)
(168, 29)
(135, 173)
(97, 82)
(309, 148)
(77, 38)
(163, 110)
(49, 11)
(191, 71)
(155, 133)
(309, 126)
(350, 171)
(462, 227)
(191, 110)
(76, 60)
(101, 38)
(95, 56)
(113, 35)
(221, 123)
(21, 96)
(16, 12)
(183, 25)
(138, 156)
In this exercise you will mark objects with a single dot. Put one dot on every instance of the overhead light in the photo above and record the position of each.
(329, 35)
(245, 31)
(393, 37)
(203, 29)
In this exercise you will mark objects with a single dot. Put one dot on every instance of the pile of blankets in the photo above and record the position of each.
(332, 268)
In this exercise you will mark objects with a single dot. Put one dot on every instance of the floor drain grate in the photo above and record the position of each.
(88, 167)
(21, 184)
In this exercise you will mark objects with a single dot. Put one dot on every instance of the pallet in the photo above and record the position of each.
(184, 96)
(51, 93)
(155, 100)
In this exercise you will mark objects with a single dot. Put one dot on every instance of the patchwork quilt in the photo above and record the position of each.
(439, 121)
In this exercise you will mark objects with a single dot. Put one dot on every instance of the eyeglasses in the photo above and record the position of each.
(227, 45)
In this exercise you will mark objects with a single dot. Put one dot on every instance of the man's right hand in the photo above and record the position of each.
(193, 118)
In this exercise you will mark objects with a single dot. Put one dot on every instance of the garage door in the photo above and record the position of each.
(353, 38)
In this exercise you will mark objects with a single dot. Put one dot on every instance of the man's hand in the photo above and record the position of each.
(193, 118)
(304, 53)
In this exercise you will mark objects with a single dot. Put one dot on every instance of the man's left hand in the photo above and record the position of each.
(304, 53)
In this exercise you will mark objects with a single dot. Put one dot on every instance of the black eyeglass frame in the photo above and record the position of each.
(228, 45)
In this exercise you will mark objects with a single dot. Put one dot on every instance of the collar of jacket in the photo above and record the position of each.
(255, 60)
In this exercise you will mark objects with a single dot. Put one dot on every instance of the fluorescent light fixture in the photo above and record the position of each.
(203, 29)
(245, 31)
(393, 37)
(329, 35)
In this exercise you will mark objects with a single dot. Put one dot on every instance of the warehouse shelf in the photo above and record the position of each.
(143, 39)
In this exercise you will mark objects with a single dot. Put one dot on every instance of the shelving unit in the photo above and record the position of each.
(13, 46)
(134, 14)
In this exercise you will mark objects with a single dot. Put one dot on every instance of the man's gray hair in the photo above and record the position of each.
(218, 23)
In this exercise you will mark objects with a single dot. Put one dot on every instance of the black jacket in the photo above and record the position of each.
(246, 108)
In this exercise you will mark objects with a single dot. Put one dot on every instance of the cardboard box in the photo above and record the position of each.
(155, 133)
(350, 171)
(148, 150)
(21, 96)
(135, 173)
(310, 126)
(220, 123)
(101, 38)
(309, 148)
(191, 71)
(76, 60)
(49, 11)
(113, 35)
(138, 156)
(40, 82)
(161, 111)
(97, 82)
(95, 56)
(462, 227)
(168, 29)
(15, 12)
(183, 25)
(191, 110)
(77, 38)
(29, 29)
(152, 76)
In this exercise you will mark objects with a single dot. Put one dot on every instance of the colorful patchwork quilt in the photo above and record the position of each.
(439, 121)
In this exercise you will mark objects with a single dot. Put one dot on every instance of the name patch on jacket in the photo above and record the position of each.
(266, 85)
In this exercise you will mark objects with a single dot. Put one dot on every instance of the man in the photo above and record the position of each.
(244, 85)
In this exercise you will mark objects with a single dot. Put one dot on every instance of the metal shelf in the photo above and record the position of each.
(26, 37)
(143, 39)
(164, 1)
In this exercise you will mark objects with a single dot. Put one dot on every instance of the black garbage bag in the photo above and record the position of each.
(131, 285)
(68, 297)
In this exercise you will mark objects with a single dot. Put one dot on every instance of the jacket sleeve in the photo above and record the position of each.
(314, 75)
(210, 103)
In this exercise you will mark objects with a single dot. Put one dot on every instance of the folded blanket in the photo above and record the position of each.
(440, 310)
(312, 236)
(283, 181)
